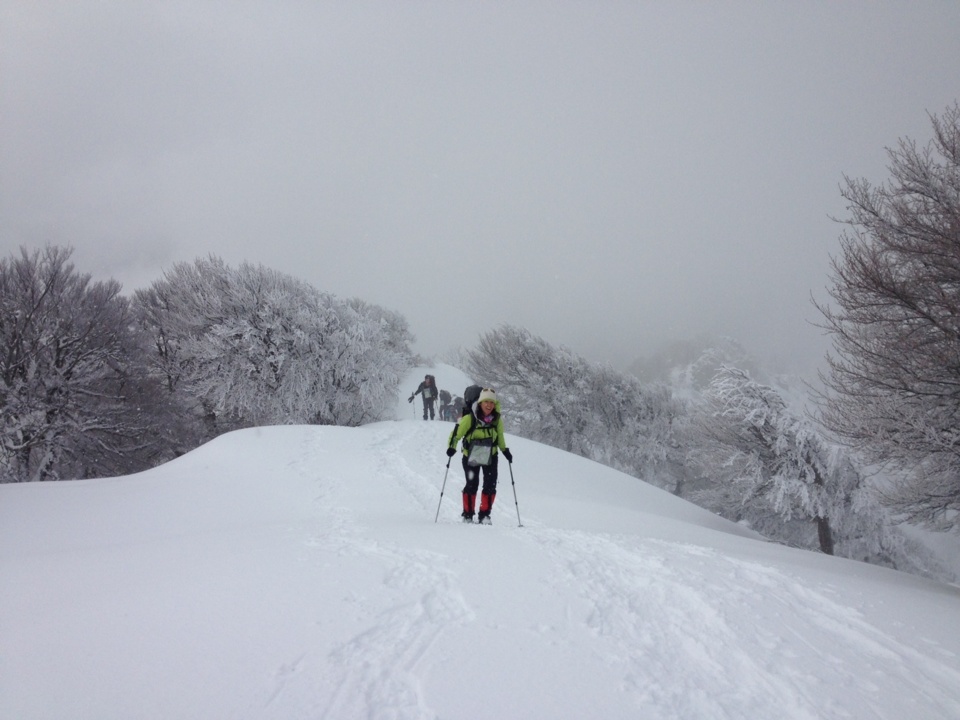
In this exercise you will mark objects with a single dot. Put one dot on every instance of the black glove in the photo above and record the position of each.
(410, 399)
(451, 452)
(508, 455)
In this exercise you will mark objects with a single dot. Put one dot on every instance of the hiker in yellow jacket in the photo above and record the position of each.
(481, 429)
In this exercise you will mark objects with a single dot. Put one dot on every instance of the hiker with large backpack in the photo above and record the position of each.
(446, 405)
(481, 429)
(428, 388)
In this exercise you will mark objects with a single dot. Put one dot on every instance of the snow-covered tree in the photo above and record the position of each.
(764, 459)
(893, 387)
(252, 346)
(73, 397)
(558, 398)
(394, 328)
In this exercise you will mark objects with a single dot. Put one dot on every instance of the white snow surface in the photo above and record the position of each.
(297, 572)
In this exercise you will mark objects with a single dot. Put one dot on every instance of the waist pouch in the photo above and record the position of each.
(481, 452)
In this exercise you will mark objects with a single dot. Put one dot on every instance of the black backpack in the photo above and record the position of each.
(471, 395)
(445, 397)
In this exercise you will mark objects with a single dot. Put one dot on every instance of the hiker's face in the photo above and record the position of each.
(487, 406)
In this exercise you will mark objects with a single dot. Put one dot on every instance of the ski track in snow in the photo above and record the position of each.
(392, 449)
(376, 673)
(649, 603)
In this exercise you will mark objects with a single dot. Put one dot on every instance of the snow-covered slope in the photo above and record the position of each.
(297, 572)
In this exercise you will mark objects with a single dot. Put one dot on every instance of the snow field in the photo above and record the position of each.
(297, 572)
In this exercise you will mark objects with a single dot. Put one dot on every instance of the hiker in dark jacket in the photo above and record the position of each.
(446, 405)
(428, 388)
(481, 429)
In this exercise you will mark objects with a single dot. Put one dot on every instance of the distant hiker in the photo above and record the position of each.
(446, 408)
(428, 388)
(481, 429)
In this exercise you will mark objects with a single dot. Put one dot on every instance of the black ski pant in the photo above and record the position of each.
(472, 473)
(428, 406)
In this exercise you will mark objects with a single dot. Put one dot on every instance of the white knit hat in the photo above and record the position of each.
(487, 394)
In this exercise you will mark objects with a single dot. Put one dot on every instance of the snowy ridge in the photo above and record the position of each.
(297, 572)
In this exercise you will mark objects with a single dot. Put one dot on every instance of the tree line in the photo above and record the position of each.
(93, 383)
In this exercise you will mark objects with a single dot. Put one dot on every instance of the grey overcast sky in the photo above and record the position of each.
(611, 176)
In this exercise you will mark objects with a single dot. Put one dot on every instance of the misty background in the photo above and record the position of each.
(612, 176)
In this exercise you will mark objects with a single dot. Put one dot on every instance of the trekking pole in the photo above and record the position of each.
(443, 487)
(514, 486)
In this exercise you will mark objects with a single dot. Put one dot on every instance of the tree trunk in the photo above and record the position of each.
(825, 535)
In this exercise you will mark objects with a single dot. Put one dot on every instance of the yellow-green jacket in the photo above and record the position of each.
(470, 428)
